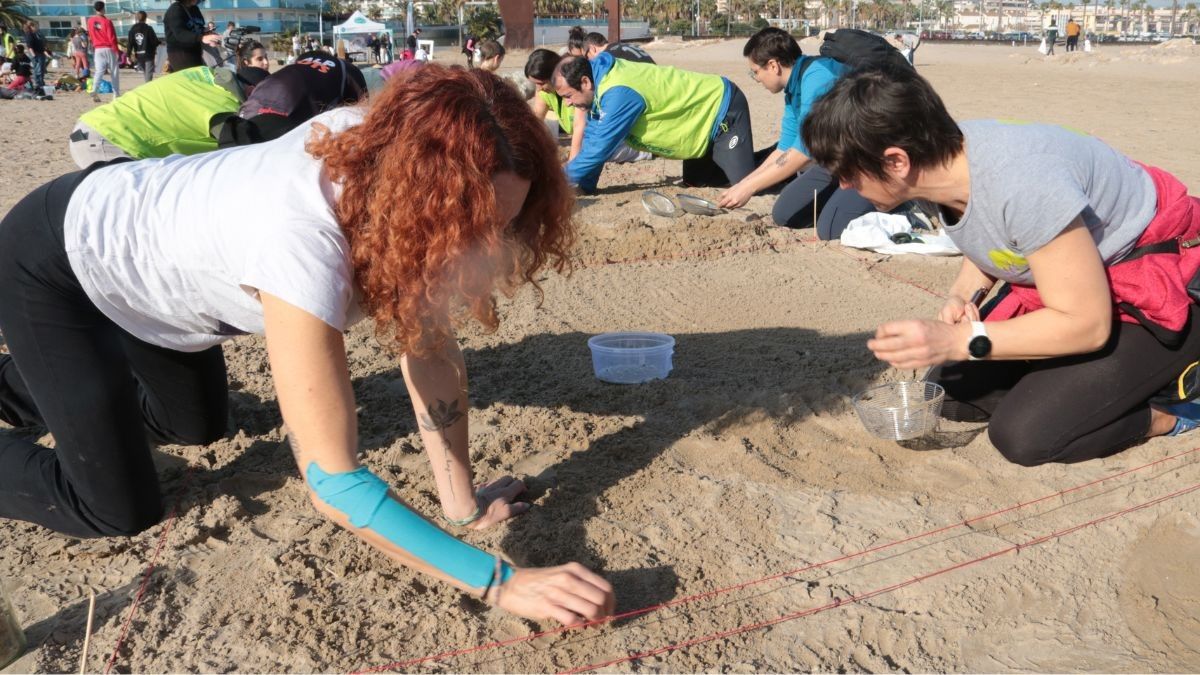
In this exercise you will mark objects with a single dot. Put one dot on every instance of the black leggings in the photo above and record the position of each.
(1068, 409)
(837, 207)
(730, 156)
(99, 390)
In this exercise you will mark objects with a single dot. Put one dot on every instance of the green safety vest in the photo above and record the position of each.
(168, 115)
(562, 109)
(10, 46)
(681, 107)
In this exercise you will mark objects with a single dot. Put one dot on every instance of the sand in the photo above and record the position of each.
(747, 462)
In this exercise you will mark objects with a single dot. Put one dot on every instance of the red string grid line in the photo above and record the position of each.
(401, 665)
(886, 589)
(749, 248)
(137, 600)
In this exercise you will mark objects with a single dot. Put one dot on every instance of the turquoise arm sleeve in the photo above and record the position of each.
(363, 498)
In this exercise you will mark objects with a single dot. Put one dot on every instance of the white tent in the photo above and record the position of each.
(357, 29)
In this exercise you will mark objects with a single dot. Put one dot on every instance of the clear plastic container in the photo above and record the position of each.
(631, 358)
(900, 411)
(12, 638)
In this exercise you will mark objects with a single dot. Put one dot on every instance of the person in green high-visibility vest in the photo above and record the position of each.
(701, 119)
(173, 114)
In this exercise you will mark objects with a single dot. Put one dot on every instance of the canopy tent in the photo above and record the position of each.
(356, 29)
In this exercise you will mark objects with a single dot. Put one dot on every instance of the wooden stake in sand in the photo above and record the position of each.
(87, 634)
(816, 236)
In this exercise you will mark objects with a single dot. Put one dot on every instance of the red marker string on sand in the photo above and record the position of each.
(162, 538)
(401, 665)
(748, 248)
(838, 602)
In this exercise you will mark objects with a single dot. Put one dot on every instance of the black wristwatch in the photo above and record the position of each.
(980, 345)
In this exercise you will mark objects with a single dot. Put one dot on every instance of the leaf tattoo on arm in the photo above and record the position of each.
(438, 417)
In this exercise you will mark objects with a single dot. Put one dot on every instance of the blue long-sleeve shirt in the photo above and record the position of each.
(607, 127)
(609, 124)
(804, 87)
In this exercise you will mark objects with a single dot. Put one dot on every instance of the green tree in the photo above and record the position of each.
(483, 22)
(829, 7)
(943, 10)
(14, 13)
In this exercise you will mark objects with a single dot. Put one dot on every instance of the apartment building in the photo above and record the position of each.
(57, 17)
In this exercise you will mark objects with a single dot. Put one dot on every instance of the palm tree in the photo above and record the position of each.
(14, 13)
(1174, 15)
(846, 9)
(830, 7)
(944, 9)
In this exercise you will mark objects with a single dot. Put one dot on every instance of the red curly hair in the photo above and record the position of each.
(418, 206)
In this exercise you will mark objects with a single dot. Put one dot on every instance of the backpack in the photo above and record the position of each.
(862, 50)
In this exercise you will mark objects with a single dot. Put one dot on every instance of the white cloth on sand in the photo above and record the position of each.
(874, 231)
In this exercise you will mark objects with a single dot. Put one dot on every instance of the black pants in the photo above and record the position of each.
(1072, 42)
(1068, 409)
(836, 207)
(730, 156)
(96, 388)
(181, 59)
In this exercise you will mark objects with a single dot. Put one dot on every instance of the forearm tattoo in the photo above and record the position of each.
(438, 418)
(782, 159)
(295, 445)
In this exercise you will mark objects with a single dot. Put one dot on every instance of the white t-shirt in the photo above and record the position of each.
(175, 250)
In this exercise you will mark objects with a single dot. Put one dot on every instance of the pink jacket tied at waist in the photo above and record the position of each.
(1155, 284)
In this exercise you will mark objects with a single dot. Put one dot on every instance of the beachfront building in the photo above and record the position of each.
(1108, 17)
(56, 18)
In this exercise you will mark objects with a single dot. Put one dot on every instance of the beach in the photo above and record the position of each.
(742, 492)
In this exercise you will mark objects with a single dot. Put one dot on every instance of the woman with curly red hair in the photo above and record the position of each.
(118, 284)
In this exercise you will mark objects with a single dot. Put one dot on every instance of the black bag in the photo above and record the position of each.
(1184, 388)
(862, 50)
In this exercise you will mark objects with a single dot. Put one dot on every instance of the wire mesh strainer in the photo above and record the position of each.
(900, 411)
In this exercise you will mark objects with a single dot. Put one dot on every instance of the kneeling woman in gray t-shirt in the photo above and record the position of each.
(1094, 319)
(119, 284)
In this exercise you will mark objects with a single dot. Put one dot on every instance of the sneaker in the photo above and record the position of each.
(1187, 416)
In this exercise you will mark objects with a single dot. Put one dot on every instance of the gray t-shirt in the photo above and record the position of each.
(1029, 181)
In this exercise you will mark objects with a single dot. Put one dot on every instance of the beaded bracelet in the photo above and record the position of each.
(465, 521)
(494, 581)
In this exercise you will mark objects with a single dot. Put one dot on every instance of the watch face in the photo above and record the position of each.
(979, 346)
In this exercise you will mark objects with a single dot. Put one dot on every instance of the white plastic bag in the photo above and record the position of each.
(1087, 45)
(1042, 49)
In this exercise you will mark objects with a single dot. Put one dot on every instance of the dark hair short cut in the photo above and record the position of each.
(98, 5)
(246, 50)
(490, 49)
(141, 16)
(869, 111)
(597, 39)
(573, 70)
(541, 64)
(772, 43)
(577, 39)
